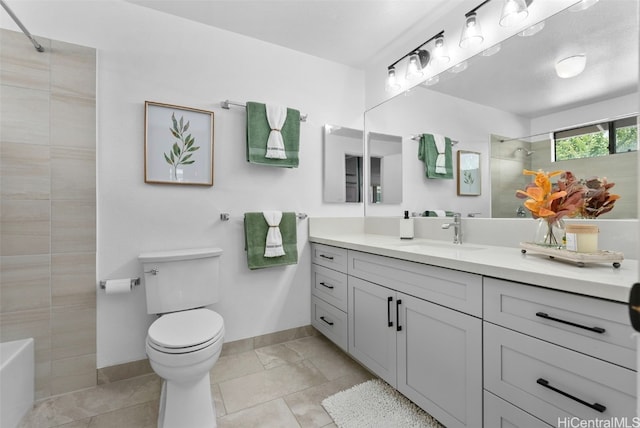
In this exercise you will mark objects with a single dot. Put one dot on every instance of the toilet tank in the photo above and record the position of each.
(180, 279)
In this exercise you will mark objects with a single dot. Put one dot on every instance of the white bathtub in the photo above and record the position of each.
(16, 381)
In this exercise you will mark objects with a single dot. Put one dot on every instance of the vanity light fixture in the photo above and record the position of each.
(492, 50)
(418, 59)
(459, 67)
(571, 66)
(513, 12)
(440, 53)
(471, 31)
(392, 80)
(534, 29)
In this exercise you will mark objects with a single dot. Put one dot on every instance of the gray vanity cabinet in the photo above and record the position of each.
(430, 353)
(556, 355)
(372, 327)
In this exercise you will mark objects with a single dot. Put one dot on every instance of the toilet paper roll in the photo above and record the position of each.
(116, 286)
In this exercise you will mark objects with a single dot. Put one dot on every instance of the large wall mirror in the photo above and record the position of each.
(497, 102)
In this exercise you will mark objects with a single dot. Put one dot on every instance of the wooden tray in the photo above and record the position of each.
(600, 256)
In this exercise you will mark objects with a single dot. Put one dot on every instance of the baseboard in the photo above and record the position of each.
(141, 367)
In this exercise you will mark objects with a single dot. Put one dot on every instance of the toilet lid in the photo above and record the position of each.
(186, 329)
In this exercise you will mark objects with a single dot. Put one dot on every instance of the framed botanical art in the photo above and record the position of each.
(178, 145)
(468, 173)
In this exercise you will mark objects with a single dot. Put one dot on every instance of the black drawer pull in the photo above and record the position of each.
(398, 326)
(325, 320)
(326, 257)
(389, 322)
(328, 286)
(593, 329)
(595, 406)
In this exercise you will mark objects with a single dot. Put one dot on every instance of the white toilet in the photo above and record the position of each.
(185, 342)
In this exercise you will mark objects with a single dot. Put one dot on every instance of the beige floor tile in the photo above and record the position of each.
(267, 385)
(277, 355)
(335, 363)
(234, 366)
(143, 415)
(217, 400)
(237, 347)
(80, 405)
(84, 423)
(307, 405)
(273, 414)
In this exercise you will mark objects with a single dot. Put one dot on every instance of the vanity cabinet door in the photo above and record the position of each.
(372, 327)
(440, 361)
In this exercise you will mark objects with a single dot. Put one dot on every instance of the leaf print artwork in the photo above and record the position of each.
(182, 150)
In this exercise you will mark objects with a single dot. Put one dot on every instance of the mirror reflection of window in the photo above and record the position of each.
(353, 178)
(376, 184)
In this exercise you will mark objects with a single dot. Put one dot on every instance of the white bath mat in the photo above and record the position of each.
(375, 404)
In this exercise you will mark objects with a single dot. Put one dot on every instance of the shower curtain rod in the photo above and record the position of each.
(26, 32)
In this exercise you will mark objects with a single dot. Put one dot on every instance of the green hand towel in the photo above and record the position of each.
(258, 130)
(427, 152)
(255, 232)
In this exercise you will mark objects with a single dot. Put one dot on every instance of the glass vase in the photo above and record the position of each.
(550, 233)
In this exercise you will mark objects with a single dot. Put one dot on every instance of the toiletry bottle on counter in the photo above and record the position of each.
(406, 226)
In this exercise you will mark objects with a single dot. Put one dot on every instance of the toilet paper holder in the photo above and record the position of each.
(134, 282)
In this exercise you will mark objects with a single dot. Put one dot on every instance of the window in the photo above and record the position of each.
(600, 139)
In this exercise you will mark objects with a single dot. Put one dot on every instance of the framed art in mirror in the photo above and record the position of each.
(468, 173)
(178, 145)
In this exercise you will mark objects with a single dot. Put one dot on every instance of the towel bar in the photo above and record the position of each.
(226, 104)
(227, 216)
(416, 137)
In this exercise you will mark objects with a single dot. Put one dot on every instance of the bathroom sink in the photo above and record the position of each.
(434, 245)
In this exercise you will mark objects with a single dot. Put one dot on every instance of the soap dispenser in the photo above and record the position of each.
(406, 226)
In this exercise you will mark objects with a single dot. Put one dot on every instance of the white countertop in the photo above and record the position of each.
(597, 280)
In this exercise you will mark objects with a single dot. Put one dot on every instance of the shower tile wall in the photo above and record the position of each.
(48, 212)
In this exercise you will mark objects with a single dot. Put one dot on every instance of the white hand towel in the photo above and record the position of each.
(273, 244)
(441, 159)
(276, 116)
(440, 213)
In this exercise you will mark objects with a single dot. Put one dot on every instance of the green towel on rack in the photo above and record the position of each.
(258, 130)
(428, 153)
(255, 232)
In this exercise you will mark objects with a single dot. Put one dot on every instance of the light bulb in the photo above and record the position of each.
(440, 53)
(471, 32)
(513, 12)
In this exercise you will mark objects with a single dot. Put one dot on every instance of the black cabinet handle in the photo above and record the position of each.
(326, 257)
(325, 320)
(328, 286)
(389, 322)
(398, 326)
(594, 329)
(595, 406)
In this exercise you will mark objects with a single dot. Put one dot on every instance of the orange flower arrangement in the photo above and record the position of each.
(549, 201)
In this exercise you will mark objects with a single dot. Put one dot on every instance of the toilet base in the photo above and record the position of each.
(187, 405)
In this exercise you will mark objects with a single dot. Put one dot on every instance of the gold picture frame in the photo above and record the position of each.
(178, 145)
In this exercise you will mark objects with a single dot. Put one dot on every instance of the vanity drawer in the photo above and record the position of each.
(596, 327)
(331, 257)
(451, 288)
(329, 321)
(330, 286)
(526, 370)
(500, 414)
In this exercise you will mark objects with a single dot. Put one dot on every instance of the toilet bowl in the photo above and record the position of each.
(182, 348)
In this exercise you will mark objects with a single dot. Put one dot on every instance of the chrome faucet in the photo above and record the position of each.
(457, 228)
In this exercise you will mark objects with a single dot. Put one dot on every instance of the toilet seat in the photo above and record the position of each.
(186, 331)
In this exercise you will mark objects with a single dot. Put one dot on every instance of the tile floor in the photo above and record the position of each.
(278, 386)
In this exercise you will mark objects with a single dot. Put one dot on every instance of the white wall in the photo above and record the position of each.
(426, 111)
(147, 55)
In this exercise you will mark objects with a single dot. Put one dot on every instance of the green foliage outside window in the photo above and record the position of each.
(593, 144)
